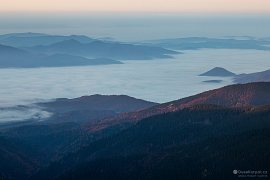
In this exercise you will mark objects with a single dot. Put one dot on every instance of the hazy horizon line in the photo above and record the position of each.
(188, 13)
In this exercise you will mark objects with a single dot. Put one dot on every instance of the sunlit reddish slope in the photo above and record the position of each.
(241, 95)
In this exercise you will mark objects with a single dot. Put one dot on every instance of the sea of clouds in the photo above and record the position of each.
(155, 80)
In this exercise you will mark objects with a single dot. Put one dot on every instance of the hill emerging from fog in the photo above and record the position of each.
(117, 103)
(92, 108)
(219, 72)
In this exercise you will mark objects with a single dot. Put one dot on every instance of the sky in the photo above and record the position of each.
(134, 20)
(179, 6)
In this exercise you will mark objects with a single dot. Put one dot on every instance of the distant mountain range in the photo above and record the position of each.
(193, 43)
(11, 57)
(37, 46)
(97, 48)
(42, 50)
(21, 40)
(203, 136)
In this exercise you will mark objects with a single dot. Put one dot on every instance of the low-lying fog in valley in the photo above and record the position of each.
(158, 81)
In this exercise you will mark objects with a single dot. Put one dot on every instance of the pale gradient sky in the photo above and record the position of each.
(181, 6)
